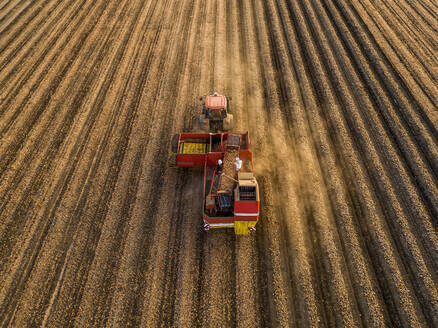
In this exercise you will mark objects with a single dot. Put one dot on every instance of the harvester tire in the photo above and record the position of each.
(174, 143)
(171, 162)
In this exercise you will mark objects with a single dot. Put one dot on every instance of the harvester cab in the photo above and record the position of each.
(215, 115)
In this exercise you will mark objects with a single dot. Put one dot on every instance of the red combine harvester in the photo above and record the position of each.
(231, 195)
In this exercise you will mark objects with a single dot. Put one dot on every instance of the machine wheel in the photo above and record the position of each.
(195, 124)
(174, 143)
(171, 162)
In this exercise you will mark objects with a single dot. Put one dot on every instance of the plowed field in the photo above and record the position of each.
(340, 98)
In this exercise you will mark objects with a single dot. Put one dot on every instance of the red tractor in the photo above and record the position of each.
(215, 115)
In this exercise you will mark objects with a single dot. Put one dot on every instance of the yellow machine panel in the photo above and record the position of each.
(193, 148)
(242, 227)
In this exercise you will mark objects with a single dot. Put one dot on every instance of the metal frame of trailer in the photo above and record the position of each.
(205, 149)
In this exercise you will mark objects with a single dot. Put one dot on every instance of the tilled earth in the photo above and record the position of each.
(340, 98)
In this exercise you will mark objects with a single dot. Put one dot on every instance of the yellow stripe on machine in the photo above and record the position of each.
(193, 148)
(242, 227)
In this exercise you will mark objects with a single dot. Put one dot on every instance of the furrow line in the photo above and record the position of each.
(177, 305)
(158, 306)
(399, 56)
(15, 98)
(360, 271)
(39, 101)
(405, 236)
(424, 12)
(218, 298)
(9, 37)
(81, 203)
(186, 305)
(273, 260)
(412, 117)
(279, 141)
(246, 294)
(419, 116)
(331, 180)
(9, 4)
(322, 227)
(105, 265)
(4, 4)
(21, 51)
(421, 177)
(129, 291)
(14, 13)
(304, 309)
(318, 79)
(49, 143)
(24, 158)
(38, 229)
(17, 28)
(360, 132)
(413, 34)
(417, 22)
(429, 5)
(341, 102)
(287, 308)
(106, 165)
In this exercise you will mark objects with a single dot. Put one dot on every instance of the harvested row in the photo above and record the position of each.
(14, 39)
(12, 10)
(157, 305)
(250, 304)
(81, 202)
(366, 298)
(413, 35)
(217, 283)
(52, 144)
(402, 223)
(186, 301)
(43, 137)
(13, 82)
(414, 66)
(116, 97)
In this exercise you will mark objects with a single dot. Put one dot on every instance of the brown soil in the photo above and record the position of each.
(340, 98)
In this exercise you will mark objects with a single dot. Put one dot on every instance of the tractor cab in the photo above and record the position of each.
(215, 106)
(215, 115)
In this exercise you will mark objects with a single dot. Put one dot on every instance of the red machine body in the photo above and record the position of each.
(233, 202)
